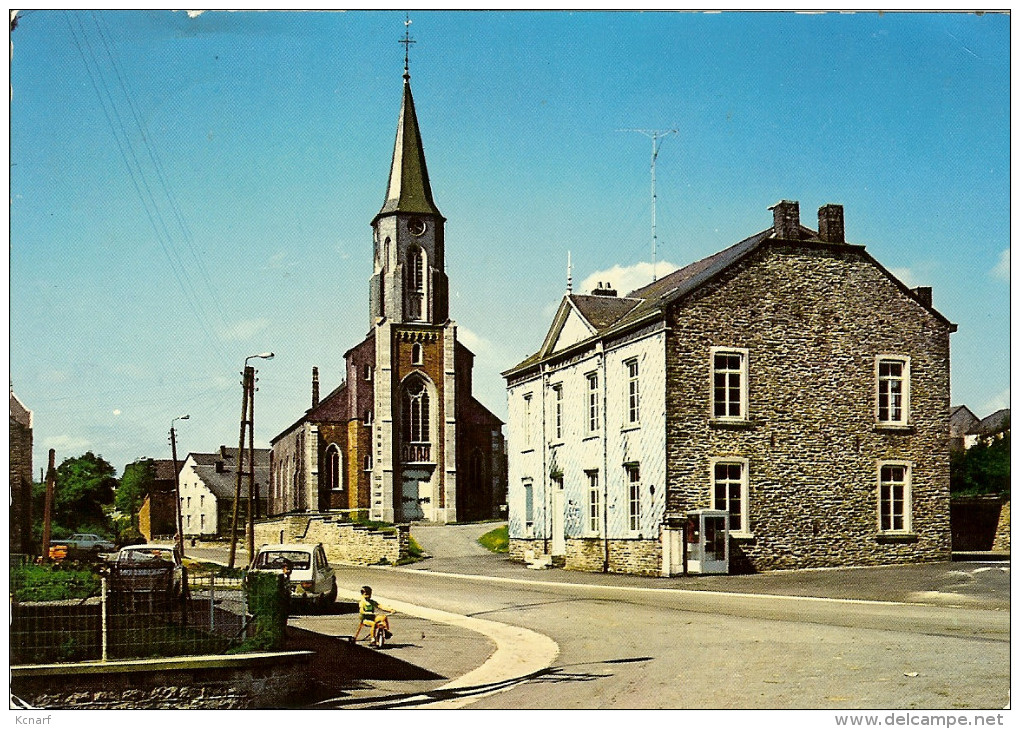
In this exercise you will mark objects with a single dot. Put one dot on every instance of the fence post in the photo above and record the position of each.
(212, 603)
(102, 601)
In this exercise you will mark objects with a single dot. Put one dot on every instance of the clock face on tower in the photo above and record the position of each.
(416, 226)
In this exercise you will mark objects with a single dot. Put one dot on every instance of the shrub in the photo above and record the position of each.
(269, 603)
(41, 583)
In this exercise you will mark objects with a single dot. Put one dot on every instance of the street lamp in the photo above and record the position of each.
(177, 484)
(264, 355)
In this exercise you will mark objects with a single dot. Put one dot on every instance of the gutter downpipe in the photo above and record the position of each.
(547, 494)
(605, 466)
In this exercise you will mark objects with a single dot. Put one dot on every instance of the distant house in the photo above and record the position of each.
(789, 380)
(20, 532)
(989, 428)
(208, 484)
(961, 422)
(157, 516)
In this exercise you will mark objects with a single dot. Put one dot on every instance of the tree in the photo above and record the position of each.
(84, 490)
(138, 480)
(981, 469)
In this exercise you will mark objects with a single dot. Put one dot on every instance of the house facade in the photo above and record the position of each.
(401, 438)
(790, 381)
(208, 486)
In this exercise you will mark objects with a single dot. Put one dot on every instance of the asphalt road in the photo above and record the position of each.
(937, 637)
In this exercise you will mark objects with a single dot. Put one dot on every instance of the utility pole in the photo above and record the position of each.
(656, 135)
(240, 457)
(51, 481)
(247, 421)
(177, 485)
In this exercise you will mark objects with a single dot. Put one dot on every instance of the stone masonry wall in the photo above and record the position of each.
(21, 487)
(813, 317)
(630, 556)
(1002, 532)
(343, 541)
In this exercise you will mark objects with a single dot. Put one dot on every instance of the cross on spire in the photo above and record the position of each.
(408, 42)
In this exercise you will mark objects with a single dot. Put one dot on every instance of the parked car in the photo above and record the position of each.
(81, 546)
(312, 579)
(149, 569)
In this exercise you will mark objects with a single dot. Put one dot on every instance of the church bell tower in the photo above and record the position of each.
(414, 472)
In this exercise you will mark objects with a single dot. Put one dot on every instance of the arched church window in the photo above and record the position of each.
(332, 475)
(416, 412)
(415, 282)
(417, 356)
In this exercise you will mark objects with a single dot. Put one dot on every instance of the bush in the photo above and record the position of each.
(982, 469)
(41, 583)
(129, 535)
(269, 603)
(498, 540)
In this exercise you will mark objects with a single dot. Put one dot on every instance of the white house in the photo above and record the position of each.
(208, 484)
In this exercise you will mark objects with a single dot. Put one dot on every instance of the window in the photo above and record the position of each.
(416, 412)
(633, 392)
(333, 472)
(594, 502)
(415, 282)
(368, 462)
(633, 497)
(527, 420)
(202, 522)
(894, 497)
(417, 356)
(368, 417)
(593, 402)
(368, 373)
(529, 504)
(201, 500)
(893, 383)
(187, 521)
(558, 412)
(729, 384)
(729, 491)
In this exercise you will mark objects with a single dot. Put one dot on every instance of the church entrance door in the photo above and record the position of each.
(414, 494)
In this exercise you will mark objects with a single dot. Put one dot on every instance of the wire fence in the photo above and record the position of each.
(116, 624)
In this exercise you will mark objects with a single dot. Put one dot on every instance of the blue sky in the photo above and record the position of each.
(188, 191)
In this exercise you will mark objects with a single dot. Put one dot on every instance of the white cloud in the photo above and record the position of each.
(998, 402)
(906, 275)
(1001, 270)
(66, 445)
(116, 411)
(244, 330)
(626, 278)
(479, 345)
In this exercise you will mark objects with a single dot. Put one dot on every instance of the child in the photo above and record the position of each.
(367, 609)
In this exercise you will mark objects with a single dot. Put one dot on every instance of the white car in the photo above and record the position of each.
(312, 579)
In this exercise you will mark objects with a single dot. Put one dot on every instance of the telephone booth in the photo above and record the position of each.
(708, 542)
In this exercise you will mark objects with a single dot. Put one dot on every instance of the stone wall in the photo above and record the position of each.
(812, 318)
(251, 681)
(1002, 531)
(629, 556)
(343, 541)
(20, 533)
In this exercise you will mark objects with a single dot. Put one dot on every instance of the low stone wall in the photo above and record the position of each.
(343, 541)
(1002, 530)
(251, 681)
(626, 556)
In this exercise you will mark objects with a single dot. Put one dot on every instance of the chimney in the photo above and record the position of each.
(830, 224)
(223, 452)
(786, 219)
(315, 387)
(608, 290)
(923, 294)
(220, 467)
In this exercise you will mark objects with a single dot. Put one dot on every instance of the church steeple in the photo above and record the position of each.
(409, 190)
(409, 280)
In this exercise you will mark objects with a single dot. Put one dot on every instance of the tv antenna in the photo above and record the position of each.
(657, 136)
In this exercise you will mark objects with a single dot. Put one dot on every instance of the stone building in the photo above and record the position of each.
(789, 380)
(401, 438)
(208, 486)
(20, 532)
(157, 516)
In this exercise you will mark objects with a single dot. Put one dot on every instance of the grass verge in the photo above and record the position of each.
(498, 540)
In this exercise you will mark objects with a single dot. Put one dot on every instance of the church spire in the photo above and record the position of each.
(409, 190)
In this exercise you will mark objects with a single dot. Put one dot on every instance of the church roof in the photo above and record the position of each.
(409, 190)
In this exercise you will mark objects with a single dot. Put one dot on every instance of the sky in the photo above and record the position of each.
(188, 190)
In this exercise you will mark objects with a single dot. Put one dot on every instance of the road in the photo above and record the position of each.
(626, 643)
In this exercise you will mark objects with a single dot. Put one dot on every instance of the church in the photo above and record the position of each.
(401, 438)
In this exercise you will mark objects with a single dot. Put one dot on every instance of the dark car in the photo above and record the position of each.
(149, 569)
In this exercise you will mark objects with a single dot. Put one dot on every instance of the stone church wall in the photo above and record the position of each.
(344, 542)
